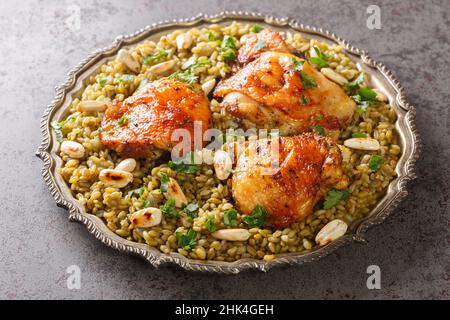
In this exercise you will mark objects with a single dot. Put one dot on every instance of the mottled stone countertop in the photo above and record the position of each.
(38, 243)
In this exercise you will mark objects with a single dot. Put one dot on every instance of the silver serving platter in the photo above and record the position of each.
(382, 78)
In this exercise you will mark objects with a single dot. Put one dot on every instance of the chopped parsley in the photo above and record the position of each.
(155, 57)
(359, 135)
(186, 240)
(102, 81)
(210, 223)
(256, 28)
(191, 211)
(123, 120)
(375, 162)
(354, 85)
(228, 48)
(230, 217)
(257, 218)
(184, 167)
(169, 210)
(146, 203)
(304, 99)
(334, 197)
(260, 44)
(211, 36)
(364, 97)
(126, 78)
(319, 129)
(139, 192)
(188, 72)
(308, 82)
(57, 127)
(164, 183)
(320, 60)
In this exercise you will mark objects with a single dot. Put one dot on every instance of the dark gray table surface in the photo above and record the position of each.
(37, 242)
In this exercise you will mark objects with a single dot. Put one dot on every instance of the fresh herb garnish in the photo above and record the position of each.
(364, 98)
(184, 167)
(304, 100)
(256, 28)
(57, 126)
(210, 223)
(320, 60)
(102, 81)
(188, 73)
(260, 44)
(169, 210)
(319, 129)
(230, 217)
(146, 203)
(155, 57)
(375, 162)
(354, 85)
(191, 211)
(308, 82)
(334, 197)
(211, 36)
(126, 78)
(139, 192)
(186, 240)
(164, 183)
(359, 135)
(123, 120)
(228, 48)
(257, 218)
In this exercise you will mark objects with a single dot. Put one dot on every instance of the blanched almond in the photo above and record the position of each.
(232, 234)
(72, 149)
(162, 67)
(312, 52)
(146, 218)
(127, 165)
(92, 106)
(184, 41)
(331, 231)
(174, 192)
(333, 76)
(223, 164)
(362, 144)
(208, 86)
(127, 59)
(115, 178)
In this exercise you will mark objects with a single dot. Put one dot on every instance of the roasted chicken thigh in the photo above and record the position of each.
(146, 120)
(309, 165)
(280, 90)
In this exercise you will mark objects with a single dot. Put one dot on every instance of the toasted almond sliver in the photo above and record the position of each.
(127, 165)
(162, 67)
(232, 234)
(174, 192)
(331, 231)
(92, 106)
(333, 76)
(115, 178)
(126, 58)
(362, 144)
(208, 86)
(184, 41)
(223, 165)
(146, 218)
(72, 149)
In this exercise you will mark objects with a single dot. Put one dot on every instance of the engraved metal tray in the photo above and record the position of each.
(382, 78)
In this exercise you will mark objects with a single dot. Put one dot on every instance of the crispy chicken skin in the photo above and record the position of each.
(151, 115)
(256, 43)
(270, 93)
(309, 166)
